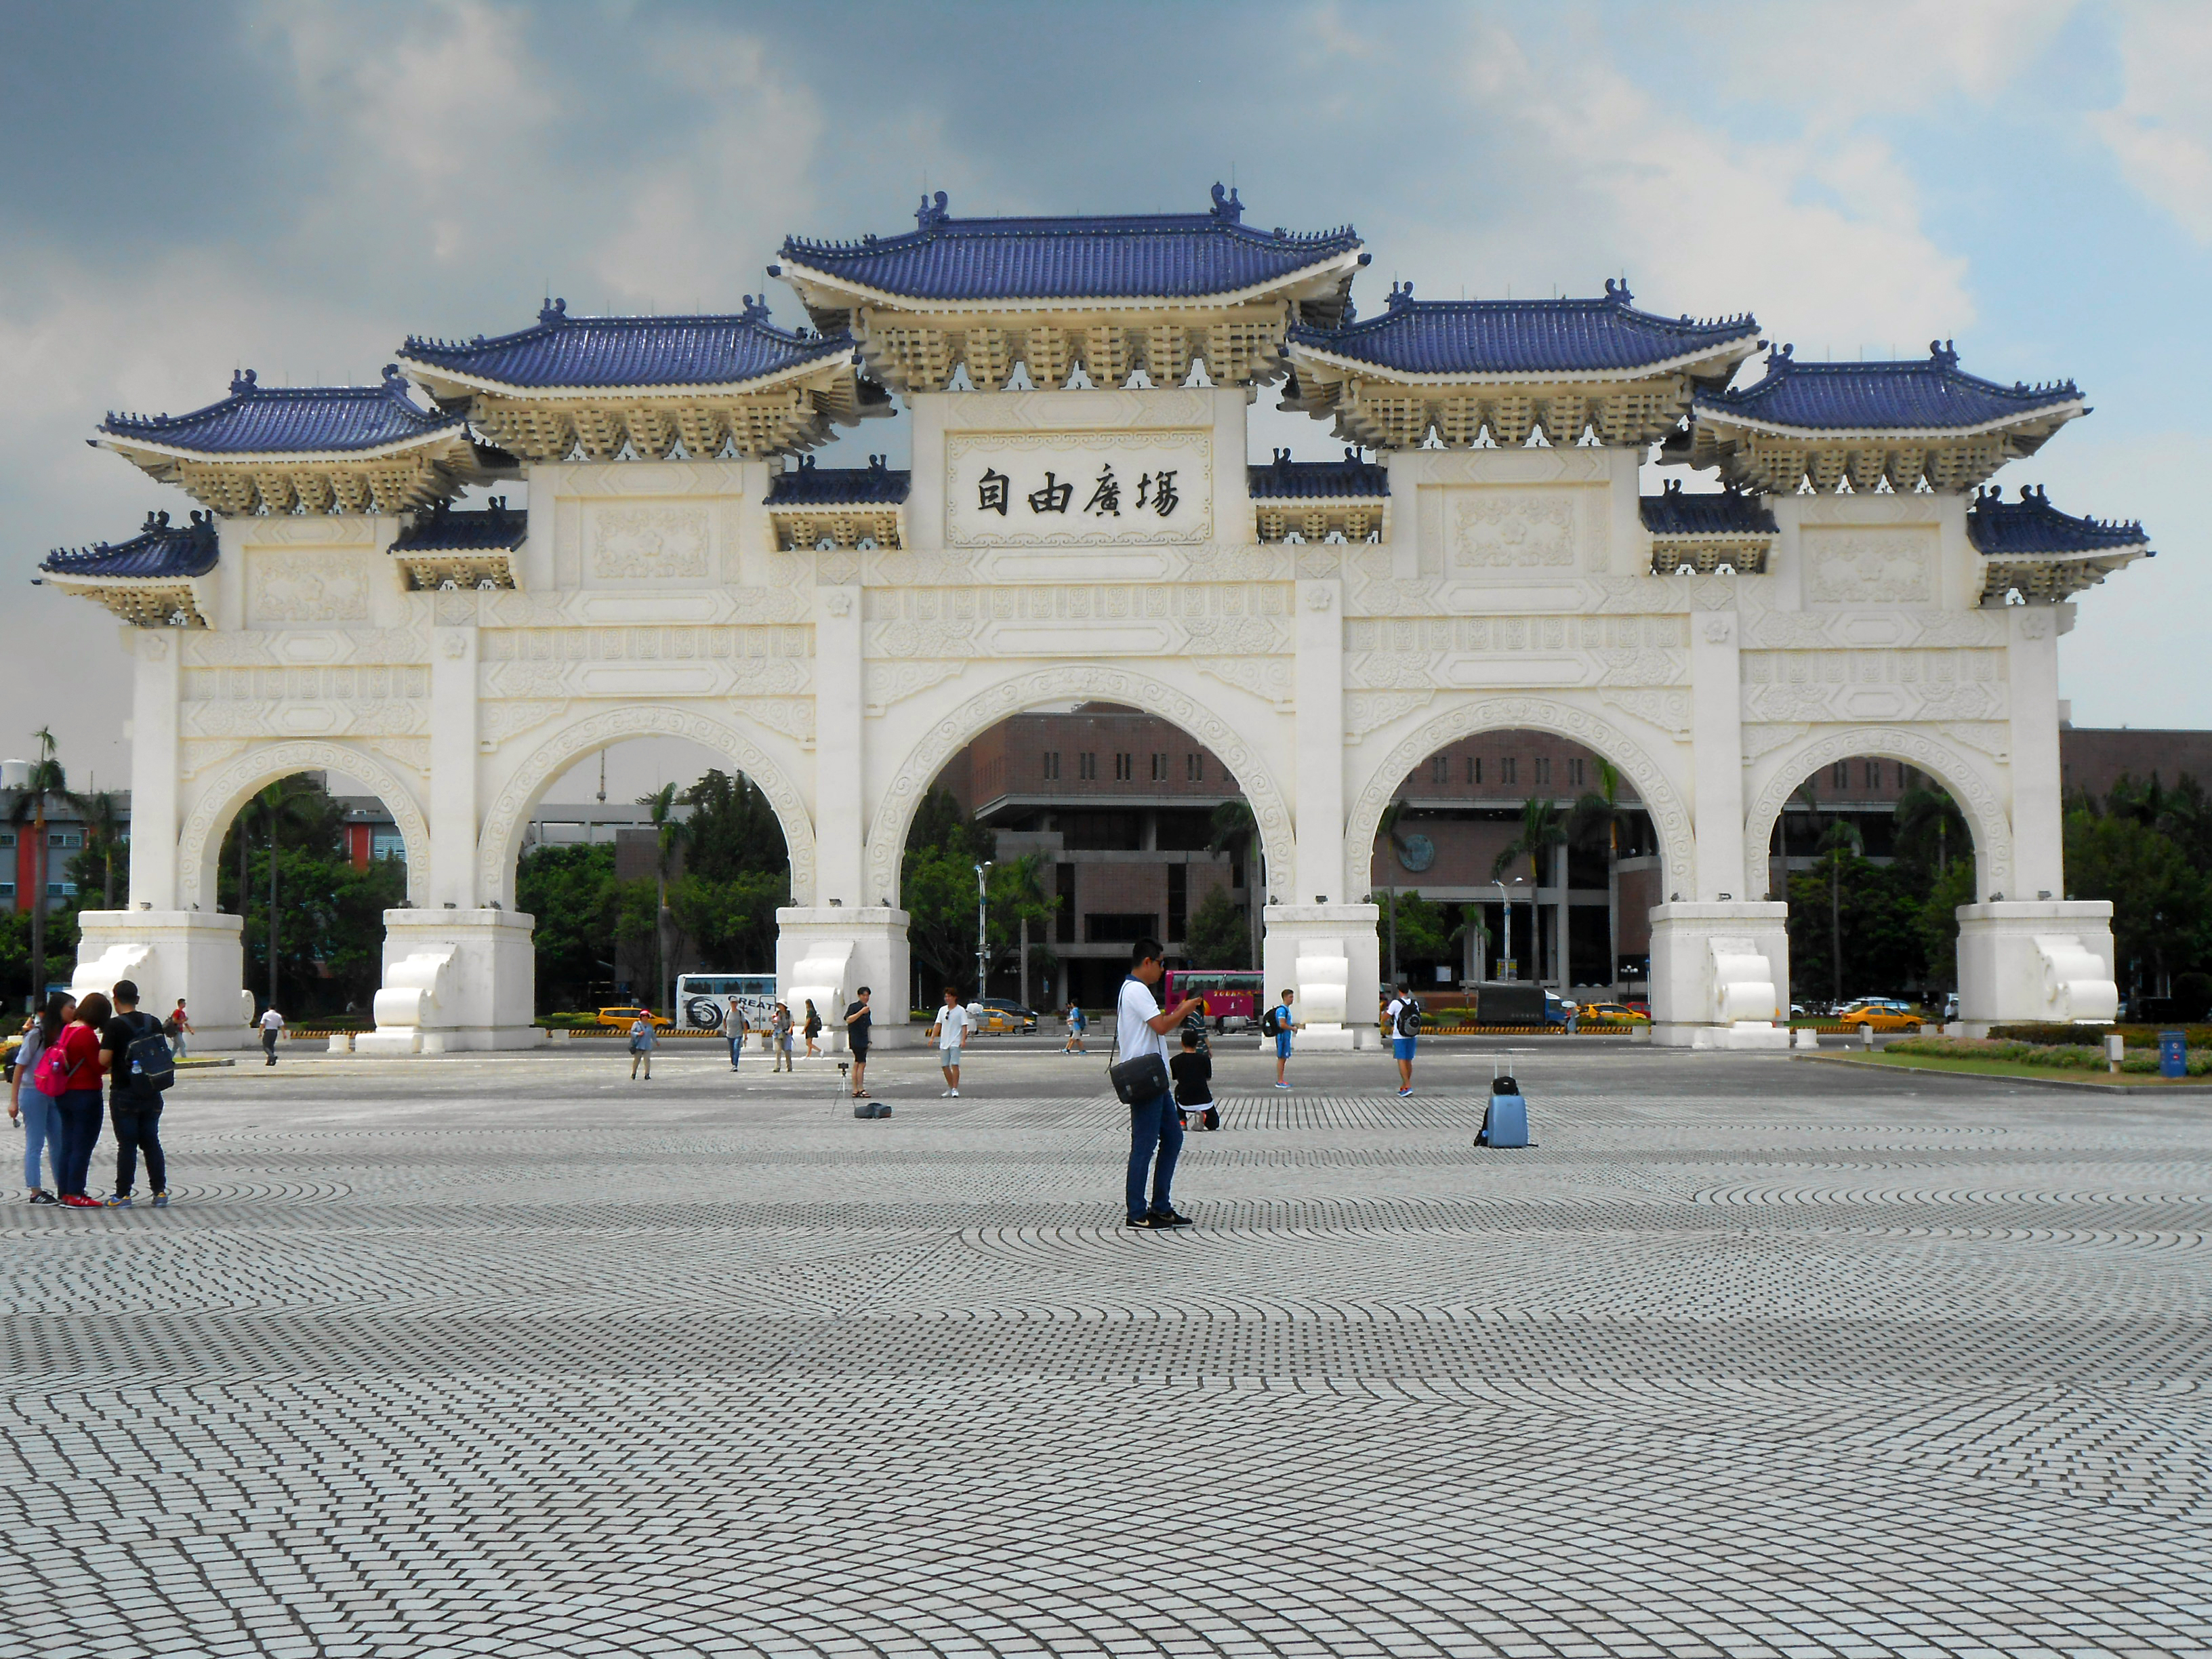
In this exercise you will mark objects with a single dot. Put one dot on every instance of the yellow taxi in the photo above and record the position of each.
(996, 1022)
(1882, 1015)
(622, 1018)
(1612, 1013)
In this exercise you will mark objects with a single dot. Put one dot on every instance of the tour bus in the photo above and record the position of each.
(1229, 994)
(702, 1000)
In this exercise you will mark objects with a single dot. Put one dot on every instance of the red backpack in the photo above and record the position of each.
(49, 1077)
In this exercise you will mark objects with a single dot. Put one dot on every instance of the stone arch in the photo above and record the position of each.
(1975, 795)
(498, 845)
(221, 797)
(1670, 818)
(962, 724)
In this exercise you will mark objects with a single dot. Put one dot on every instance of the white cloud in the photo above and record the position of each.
(2160, 131)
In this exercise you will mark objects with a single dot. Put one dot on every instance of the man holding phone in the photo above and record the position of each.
(1141, 1028)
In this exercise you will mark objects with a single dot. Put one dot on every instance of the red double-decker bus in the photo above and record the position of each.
(1229, 991)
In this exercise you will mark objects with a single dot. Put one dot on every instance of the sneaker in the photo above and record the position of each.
(79, 1201)
(955, 1093)
(1405, 1091)
(1169, 1218)
(161, 1200)
(1138, 1221)
(40, 1195)
(1282, 1085)
(120, 1201)
(944, 1094)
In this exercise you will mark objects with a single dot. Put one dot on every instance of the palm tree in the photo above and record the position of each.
(1543, 827)
(1235, 828)
(671, 832)
(1599, 815)
(1387, 825)
(47, 778)
(1923, 814)
(280, 803)
(102, 812)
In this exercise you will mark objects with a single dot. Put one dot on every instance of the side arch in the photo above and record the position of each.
(219, 799)
(962, 724)
(1949, 766)
(1670, 817)
(498, 844)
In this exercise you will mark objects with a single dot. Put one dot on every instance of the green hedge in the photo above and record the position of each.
(2146, 1036)
(2068, 1056)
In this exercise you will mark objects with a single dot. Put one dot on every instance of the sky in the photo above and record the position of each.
(295, 186)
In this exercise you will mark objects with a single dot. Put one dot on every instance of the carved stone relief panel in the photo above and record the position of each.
(1785, 686)
(1511, 529)
(648, 542)
(284, 586)
(1857, 564)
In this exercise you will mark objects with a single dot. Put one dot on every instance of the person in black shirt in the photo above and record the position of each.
(857, 1020)
(1193, 1072)
(134, 1104)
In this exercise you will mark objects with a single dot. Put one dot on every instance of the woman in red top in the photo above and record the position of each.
(78, 1106)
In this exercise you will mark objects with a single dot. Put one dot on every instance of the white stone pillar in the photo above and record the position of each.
(156, 690)
(840, 869)
(1719, 975)
(827, 952)
(453, 769)
(1330, 954)
(455, 980)
(1716, 745)
(168, 954)
(2036, 961)
(1323, 875)
(2037, 788)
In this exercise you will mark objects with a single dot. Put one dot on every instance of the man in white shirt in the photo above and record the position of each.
(1141, 1028)
(271, 1023)
(1402, 1047)
(952, 1024)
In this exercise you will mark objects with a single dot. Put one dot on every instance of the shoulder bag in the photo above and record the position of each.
(1144, 1078)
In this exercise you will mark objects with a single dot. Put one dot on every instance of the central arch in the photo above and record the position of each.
(1662, 802)
(220, 798)
(968, 720)
(1977, 796)
(500, 841)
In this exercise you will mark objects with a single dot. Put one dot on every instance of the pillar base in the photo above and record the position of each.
(827, 952)
(192, 954)
(1326, 1040)
(455, 980)
(2035, 960)
(1330, 956)
(1719, 975)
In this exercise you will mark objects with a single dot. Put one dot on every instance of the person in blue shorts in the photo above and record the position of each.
(1402, 1027)
(1278, 1024)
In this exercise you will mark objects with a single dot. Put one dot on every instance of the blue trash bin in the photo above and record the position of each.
(2172, 1053)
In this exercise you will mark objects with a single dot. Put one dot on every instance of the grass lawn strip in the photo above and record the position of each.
(2123, 1084)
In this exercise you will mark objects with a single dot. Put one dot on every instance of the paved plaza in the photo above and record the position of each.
(509, 1356)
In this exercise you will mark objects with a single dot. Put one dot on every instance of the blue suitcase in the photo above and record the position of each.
(1506, 1122)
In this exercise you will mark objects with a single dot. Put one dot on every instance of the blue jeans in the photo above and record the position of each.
(1155, 1122)
(79, 1110)
(42, 1133)
(737, 1048)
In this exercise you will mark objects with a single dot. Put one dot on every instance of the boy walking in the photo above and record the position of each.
(951, 1024)
(1278, 1025)
(179, 1030)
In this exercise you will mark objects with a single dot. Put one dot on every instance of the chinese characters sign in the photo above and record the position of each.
(1034, 489)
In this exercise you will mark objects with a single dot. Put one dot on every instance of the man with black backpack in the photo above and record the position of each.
(1278, 1024)
(136, 1056)
(1403, 1016)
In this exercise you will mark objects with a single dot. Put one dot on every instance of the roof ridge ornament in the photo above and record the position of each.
(933, 212)
(553, 311)
(1944, 354)
(755, 309)
(1226, 208)
(1619, 293)
(241, 382)
(1401, 295)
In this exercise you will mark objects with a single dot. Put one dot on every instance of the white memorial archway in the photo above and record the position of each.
(1081, 519)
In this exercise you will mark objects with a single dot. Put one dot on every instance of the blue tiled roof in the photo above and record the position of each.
(1523, 336)
(628, 351)
(1168, 255)
(1726, 513)
(1932, 394)
(1284, 479)
(465, 529)
(159, 550)
(838, 486)
(2031, 525)
(259, 420)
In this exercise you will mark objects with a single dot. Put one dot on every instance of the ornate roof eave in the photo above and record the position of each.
(2023, 426)
(455, 434)
(141, 601)
(820, 291)
(2052, 577)
(1715, 362)
(838, 355)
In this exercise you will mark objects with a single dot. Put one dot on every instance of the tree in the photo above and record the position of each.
(1234, 829)
(669, 834)
(1424, 933)
(570, 892)
(1854, 922)
(2161, 902)
(104, 837)
(1543, 827)
(1938, 922)
(46, 780)
(294, 802)
(1930, 829)
(1598, 816)
(1216, 934)
(937, 888)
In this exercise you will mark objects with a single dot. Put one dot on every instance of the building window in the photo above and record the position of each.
(1575, 773)
(1159, 769)
(1440, 768)
(1063, 921)
(1193, 769)
(8, 891)
(1509, 770)
(64, 838)
(7, 837)
(392, 846)
(1543, 768)
(1052, 763)
(1178, 900)
(1120, 928)
(1842, 775)
(1124, 769)
(61, 889)
(1874, 774)
(1474, 769)
(1086, 767)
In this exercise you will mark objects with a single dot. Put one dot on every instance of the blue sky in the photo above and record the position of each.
(295, 186)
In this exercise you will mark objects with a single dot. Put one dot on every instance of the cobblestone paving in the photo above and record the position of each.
(511, 1357)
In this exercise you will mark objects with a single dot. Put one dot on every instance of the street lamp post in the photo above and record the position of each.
(1505, 904)
(982, 947)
